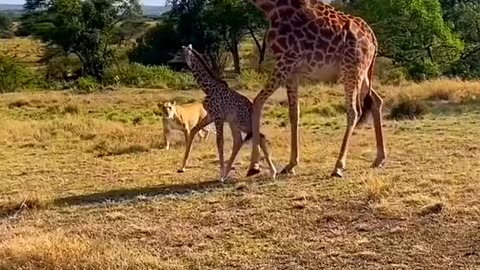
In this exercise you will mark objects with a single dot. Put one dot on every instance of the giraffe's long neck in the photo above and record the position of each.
(268, 7)
(205, 77)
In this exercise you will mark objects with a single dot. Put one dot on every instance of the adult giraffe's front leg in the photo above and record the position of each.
(294, 114)
(277, 79)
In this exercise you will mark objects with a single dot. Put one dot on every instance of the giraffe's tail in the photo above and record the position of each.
(249, 136)
(365, 109)
(367, 102)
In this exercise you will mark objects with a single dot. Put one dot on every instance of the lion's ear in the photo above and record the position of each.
(174, 103)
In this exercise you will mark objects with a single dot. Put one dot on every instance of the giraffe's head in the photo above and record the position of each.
(188, 55)
(168, 109)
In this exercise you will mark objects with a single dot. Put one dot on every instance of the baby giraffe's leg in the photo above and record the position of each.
(219, 128)
(205, 121)
(237, 145)
(263, 145)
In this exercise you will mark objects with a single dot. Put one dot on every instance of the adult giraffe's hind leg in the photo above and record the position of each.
(377, 122)
(352, 84)
(294, 114)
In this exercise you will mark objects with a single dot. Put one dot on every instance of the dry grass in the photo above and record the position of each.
(23, 50)
(58, 251)
(102, 194)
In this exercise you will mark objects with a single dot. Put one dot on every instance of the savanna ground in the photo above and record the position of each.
(87, 185)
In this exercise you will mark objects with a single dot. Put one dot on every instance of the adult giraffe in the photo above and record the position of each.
(310, 38)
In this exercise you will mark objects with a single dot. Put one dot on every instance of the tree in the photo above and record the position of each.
(157, 46)
(413, 33)
(128, 30)
(234, 20)
(81, 27)
(190, 22)
(5, 25)
(465, 17)
(217, 26)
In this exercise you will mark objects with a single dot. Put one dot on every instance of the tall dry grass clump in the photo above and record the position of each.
(61, 252)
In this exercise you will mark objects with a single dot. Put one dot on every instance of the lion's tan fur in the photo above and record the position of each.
(183, 118)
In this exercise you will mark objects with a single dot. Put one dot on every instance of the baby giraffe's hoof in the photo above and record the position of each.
(252, 171)
(182, 170)
(337, 173)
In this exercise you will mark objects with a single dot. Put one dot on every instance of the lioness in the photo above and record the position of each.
(184, 118)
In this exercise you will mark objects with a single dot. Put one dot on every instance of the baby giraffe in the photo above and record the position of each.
(222, 105)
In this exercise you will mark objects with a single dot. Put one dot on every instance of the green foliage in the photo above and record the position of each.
(62, 67)
(252, 79)
(5, 26)
(149, 76)
(157, 46)
(388, 73)
(87, 84)
(193, 28)
(127, 30)
(413, 33)
(233, 20)
(84, 28)
(14, 76)
(214, 27)
(465, 16)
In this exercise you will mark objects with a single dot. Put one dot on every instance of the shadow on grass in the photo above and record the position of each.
(120, 195)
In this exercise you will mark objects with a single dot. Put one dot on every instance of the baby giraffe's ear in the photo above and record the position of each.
(190, 46)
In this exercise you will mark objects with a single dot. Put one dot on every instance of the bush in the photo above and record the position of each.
(149, 76)
(6, 34)
(86, 84)
(251, 79)
(388, 73)
(14, 76)
(157, 46)
(5, 26)
(408, 108)
(63, 68)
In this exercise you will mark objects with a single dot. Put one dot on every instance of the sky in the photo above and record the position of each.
(145, 2)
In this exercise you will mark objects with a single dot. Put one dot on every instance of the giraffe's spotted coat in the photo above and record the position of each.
(222, 104)
(311, 39)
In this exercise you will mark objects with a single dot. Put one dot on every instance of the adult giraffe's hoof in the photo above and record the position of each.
(287, 170)
(182, 170)
(337, 173)
(378, 163)
(252, 171)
